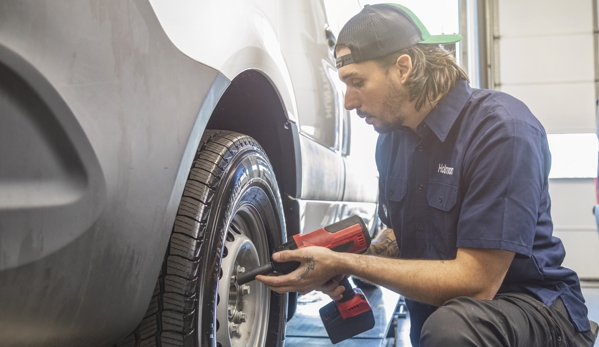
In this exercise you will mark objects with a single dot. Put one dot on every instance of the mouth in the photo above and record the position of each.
(362, 114)
(368, 118)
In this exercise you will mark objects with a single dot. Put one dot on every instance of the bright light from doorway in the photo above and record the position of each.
(573, 155)
(438, 16)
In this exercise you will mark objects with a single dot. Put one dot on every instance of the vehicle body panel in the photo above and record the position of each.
(239, 35)
(108, 73)
(287, 42)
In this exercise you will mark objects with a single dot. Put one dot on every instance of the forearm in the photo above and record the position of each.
(476, 273)
(433, 281)
(420, 280)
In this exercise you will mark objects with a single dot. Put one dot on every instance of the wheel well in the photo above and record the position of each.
(252, 106)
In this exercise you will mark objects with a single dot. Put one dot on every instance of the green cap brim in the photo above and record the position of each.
(427, 38)
(442, 39)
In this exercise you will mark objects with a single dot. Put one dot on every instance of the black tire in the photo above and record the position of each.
(230, 216)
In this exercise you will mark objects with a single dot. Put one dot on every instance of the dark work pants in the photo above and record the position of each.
(514, 320)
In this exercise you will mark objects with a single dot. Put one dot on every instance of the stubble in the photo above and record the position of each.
(394, 114)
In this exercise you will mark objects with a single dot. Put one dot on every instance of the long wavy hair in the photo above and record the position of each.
(434, 72)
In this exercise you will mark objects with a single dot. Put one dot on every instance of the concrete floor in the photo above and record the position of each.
(306, 329)
(590, 290)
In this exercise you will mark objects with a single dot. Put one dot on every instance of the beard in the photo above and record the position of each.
(394, 112)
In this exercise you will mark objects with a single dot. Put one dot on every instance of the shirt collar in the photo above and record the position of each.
(442, 117)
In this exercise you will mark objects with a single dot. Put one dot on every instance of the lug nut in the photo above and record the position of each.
(245, 289)
(240, 317)
(230, 310)
(240, 269)
(234, 329)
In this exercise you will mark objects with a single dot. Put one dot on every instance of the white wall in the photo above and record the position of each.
(574, 224)
(546, 59)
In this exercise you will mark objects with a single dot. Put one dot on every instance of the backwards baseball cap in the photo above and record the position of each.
(382, 29)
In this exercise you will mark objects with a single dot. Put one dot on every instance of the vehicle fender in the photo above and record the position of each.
(141, 106)
(231, 41)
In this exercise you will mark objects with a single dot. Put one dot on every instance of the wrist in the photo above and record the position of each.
(344, 263)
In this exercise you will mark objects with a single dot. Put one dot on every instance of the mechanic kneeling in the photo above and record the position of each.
(464, 189)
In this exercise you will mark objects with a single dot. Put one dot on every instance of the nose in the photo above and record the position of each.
(351, 100)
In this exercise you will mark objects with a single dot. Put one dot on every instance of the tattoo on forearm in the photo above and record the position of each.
(309, 267)
(384, 245)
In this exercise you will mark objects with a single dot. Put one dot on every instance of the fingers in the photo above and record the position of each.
(315, 268)
(331, 284)
(274, 283)
(284, 284)
(336, 293)
(285, 256)
(293, 281)
(333, 289)
(281, 285)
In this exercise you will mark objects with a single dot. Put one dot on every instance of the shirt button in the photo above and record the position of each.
(440, 199)
(390, 191)
(420, 227)
(420, 148)
(420, 187)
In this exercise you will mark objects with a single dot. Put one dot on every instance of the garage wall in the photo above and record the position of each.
(546, 59)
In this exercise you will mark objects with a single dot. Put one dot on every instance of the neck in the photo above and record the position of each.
(416, 117)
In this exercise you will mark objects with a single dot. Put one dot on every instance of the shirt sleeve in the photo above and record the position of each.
(505, 173)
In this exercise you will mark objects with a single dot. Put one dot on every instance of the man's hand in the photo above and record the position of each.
(332, 288)
(318, 265)
(384, 245)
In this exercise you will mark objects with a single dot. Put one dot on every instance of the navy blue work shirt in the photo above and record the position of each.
(475, 175)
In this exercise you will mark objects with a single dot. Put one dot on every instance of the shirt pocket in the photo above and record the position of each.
(395, 189)
(442, 230)
(442, 196)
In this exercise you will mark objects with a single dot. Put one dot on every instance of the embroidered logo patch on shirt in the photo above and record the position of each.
(444, 169)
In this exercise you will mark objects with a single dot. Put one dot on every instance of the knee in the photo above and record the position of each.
(448, 325)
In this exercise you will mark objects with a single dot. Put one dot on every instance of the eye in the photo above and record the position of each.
(357, 83)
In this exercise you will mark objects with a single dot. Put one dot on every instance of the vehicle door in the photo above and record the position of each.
(339, 174)
(307, 53)
(359, 142)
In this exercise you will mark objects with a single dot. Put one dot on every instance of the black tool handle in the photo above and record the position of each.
(348, 293)
(246, 277)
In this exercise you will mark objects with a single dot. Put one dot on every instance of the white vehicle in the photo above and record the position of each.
(151, 150)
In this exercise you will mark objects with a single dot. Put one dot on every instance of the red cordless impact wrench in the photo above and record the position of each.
(352, 314)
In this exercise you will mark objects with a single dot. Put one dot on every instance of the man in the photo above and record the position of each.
(463, 188)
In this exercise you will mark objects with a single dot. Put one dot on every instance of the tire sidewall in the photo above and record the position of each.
(248, 178)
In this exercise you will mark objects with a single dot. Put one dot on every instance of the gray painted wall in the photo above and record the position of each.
(546, 59)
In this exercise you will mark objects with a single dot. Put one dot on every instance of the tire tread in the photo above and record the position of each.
(169, 320)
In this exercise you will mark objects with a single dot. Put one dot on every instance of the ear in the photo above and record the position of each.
(404, 67)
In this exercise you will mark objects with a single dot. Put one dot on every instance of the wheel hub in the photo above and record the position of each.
(242, 310)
